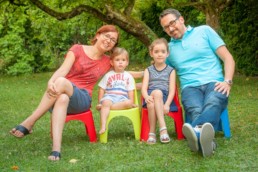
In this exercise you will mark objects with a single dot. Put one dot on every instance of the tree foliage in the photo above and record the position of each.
(240, 25)
(35, 34)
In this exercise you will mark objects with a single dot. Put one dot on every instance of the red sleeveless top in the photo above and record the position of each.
(85, 72)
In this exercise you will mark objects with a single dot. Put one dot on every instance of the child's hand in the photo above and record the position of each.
(98, 107)
(149, 99)
(166, 109)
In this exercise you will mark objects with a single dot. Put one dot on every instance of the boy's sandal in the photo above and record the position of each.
(164, 138)
(152, 138)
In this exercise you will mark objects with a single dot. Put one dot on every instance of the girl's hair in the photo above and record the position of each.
(117, 51)
(158, 41)
(104, 29)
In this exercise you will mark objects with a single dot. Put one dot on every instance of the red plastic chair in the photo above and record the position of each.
(87, 119)
(177, 116)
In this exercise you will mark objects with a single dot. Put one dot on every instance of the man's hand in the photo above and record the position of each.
(223, 88)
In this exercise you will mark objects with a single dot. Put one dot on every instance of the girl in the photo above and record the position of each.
(158, 89)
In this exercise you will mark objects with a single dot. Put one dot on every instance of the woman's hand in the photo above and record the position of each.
(51, 90)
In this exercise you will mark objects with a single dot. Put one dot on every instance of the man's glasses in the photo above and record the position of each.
(172, 23)
(108, 37)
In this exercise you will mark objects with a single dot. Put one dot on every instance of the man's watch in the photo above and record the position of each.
(229, 82)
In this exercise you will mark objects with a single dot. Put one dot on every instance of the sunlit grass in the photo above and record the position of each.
(20, 95)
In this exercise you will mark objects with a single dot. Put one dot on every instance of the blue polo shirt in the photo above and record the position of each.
(194, 56)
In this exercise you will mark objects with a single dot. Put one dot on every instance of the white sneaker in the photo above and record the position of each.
(191, 137)
(198, 128)
(207, 135)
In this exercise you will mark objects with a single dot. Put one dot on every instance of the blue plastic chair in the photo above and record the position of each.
(224, 124)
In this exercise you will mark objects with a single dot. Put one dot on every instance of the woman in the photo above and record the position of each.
(70, 88)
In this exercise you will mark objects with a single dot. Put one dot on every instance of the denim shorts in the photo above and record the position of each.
(79, 102)
(114, 98)
(173, 107)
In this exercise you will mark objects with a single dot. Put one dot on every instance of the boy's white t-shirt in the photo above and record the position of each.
(117, 83)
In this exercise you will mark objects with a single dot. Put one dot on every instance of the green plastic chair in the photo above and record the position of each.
(133, 114)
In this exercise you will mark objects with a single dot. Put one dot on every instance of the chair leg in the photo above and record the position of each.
(225, 123)
(178, 122)
(90, 129)
(178, 127)
(88, 121)
(136, 127)
(145, 126)
(104, 136)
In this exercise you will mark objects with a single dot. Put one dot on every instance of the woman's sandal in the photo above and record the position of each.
(56, 154)
(21, 129)
(164, 138)
(152, 138)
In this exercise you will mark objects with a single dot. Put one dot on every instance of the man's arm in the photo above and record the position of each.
(229, 68)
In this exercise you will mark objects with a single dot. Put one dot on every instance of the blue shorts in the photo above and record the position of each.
(115, 98)
(79, 102)
(173, 107)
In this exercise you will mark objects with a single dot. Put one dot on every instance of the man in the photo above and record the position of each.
(195, 53)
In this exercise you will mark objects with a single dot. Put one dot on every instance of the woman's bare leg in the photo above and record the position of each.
(63, 86)
(58, 120)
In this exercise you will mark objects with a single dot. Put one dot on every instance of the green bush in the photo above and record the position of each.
(240, 33)
(32, 41)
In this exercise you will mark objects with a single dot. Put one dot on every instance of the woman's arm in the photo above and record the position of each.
(229, 68)
(62, 71)
(137, 75)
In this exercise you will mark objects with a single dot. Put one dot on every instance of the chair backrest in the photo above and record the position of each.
(176, 99)
(136, 97)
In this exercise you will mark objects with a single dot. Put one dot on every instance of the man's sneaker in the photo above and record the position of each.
(191, 137)
(206, 139)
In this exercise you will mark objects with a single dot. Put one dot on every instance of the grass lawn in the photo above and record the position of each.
(20, 95)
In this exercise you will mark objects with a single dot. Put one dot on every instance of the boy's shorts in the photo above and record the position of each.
(114, 98)
(173, 107)
(79, 102)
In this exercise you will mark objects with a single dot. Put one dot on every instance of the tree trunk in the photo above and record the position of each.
(211, 8)
(212, 16)
(130, 25)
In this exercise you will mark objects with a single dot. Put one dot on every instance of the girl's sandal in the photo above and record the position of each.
(152, 139)
(164, 138)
